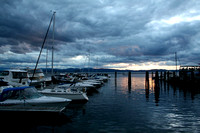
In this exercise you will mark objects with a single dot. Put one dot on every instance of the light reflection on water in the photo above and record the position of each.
(173, 110)
(120, 108)
(117, 107)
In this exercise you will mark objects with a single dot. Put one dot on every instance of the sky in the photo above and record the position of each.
(113, 34)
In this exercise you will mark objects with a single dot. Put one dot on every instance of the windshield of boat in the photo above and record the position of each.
(18, 75)
(4, 73)
(28, 93)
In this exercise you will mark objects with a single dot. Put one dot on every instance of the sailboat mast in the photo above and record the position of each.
(176, 61)
(41, 49)
(46, 59)
(54, 13)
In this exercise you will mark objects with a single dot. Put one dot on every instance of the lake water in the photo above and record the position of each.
(115, 107)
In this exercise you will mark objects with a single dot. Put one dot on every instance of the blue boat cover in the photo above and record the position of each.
(7, 90)
(16, 88)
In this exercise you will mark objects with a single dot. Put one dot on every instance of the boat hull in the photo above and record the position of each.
(72, 96)
(39, 102)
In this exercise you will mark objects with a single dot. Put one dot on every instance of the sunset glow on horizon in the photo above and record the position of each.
(142, 66)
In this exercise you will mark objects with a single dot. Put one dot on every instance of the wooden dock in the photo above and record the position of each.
(186, 76)
(31, 109)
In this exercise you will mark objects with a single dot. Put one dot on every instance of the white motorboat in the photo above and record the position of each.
(93, 82)
(65, 92)
(28, 96)
(80, 85)
(101, 78)
(39, 78)
(15, 77)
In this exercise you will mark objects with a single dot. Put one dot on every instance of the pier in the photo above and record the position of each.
(187, 76)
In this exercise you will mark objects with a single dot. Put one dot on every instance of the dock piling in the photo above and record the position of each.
(165, 76)
(115, 74)
(174, 74)
(157, 79)
(147, 76)
(129, 80)
(161, 76)
(147, 85)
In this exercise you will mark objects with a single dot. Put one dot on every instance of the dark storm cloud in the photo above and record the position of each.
(17, 26)
(128, 31)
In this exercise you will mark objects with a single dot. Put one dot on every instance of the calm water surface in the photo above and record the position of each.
(115, 107)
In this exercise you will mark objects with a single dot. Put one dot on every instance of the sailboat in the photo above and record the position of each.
(62, 92)
(65, 92)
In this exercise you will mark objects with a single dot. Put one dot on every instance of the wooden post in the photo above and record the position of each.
(115, 79)
(168, 76)
(156, 88)
(161, 77)
(147, 85)
(129, 80)
(156, 78)
(174, 75)
(147, 76)
(165, 76)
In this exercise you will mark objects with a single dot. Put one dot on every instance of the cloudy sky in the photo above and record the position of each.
(120, 34)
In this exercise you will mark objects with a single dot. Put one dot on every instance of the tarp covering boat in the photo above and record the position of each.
(13, 92)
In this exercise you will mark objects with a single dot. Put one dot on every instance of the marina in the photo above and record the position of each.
(117, 107)
(99, 66)
(50, 98)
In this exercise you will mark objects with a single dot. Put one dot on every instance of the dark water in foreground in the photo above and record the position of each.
(117, 108)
